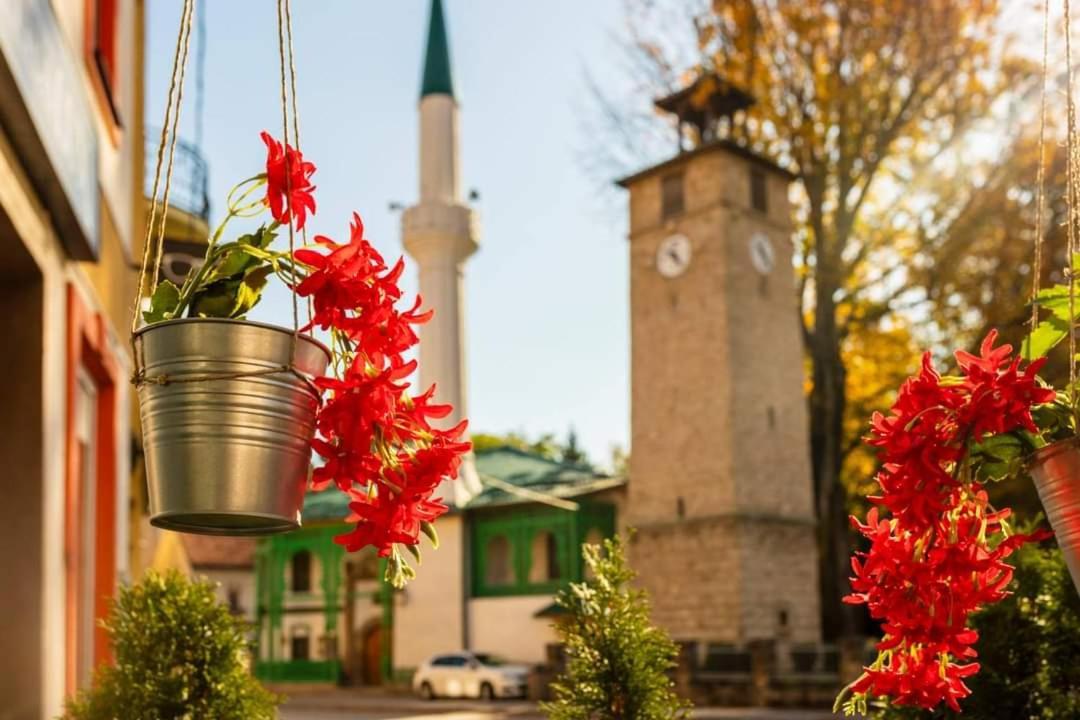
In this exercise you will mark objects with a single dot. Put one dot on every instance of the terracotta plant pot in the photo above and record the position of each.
(1056, 471)
(227, 455)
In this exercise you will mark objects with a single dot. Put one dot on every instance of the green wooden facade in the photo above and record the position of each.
(271, 562)
(520, 528)
(534, 547)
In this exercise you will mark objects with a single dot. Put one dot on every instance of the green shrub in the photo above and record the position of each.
(1029, 648)
(617, 662)
(178, 654)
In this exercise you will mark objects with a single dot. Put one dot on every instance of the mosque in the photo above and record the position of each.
(718, 488)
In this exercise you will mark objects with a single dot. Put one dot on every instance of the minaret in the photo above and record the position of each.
(440, 233)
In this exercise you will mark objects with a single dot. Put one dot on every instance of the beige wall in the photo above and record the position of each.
(507, 627)
(29, 225)
(428, 613)
(22, 678)
(36, 275)
(720, 486)
(239, 580)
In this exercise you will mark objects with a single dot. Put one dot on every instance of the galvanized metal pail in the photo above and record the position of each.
(1056, 471)
(226, 456)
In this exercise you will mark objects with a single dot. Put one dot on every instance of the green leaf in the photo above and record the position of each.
(216, 300)
(163, 302)
(1048, 333)
(1000, 447)
(234, 263)
(249, 292)
(261, 238)
(429, 530)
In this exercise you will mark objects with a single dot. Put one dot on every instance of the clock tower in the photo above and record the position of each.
(720, 489)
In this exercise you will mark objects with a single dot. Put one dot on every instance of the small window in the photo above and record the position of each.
(301, 572)
(234, 601)
(499, 569)
(300, 644)
(101, 49)
(672, 201)
(450, 661)
(759, 195)
(544, 566)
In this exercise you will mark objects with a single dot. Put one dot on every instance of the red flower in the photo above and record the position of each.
(288, 182)
(939, 556)
(376, 439)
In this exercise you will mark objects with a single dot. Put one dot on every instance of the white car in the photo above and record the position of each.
(470, 675)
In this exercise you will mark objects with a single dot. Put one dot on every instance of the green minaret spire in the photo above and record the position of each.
(436, 79)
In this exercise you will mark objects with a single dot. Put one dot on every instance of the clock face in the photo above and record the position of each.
(762, 254)
(673, 256)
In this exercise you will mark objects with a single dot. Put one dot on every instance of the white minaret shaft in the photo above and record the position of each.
(439, 170)
(440, 234)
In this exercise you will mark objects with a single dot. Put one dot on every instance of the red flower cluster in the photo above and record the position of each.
(288, 182)
(940, 555)
(376, 439)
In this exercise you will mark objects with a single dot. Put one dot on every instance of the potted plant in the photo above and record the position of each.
(231, 409)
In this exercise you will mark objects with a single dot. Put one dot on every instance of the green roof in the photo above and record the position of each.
(436, 80)
(502, 466)
(533, 473)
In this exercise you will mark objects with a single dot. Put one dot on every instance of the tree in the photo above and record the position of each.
(179, 653)
(862, 100)
(546, 446)
(571, 453)
(878, 359)
(617, 662)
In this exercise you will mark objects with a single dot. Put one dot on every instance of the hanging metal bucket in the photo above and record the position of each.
(1056, 471)
(226, 455)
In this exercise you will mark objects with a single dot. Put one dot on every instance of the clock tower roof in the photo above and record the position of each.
(716, 145)
(705, 101)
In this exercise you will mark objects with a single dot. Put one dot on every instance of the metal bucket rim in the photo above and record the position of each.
(173, 520)
(1058, 446)
(231, 321)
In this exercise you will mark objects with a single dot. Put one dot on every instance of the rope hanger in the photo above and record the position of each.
(165, 155)
(1072, 192)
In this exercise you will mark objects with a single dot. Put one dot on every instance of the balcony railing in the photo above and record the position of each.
(190, 187)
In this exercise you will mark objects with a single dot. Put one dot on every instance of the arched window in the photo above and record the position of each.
(300, 643)
(301, 572)
(499, 567)
(544, 565)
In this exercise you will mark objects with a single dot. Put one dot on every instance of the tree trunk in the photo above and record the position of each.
(827, 401)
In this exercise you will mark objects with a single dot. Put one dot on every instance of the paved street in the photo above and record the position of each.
(342, 705)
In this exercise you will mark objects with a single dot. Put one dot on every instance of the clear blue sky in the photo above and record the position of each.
(547, 299)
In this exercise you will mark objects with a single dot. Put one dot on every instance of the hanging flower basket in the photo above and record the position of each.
(1056, 472)
(227, 426)
(232, 409)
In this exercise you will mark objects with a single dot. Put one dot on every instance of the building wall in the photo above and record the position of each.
(720, 486)
(692, 573)
(507, 627)
(51, 300)
(27, 610)
(428, 613)
(119, 154)
(230, 580)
